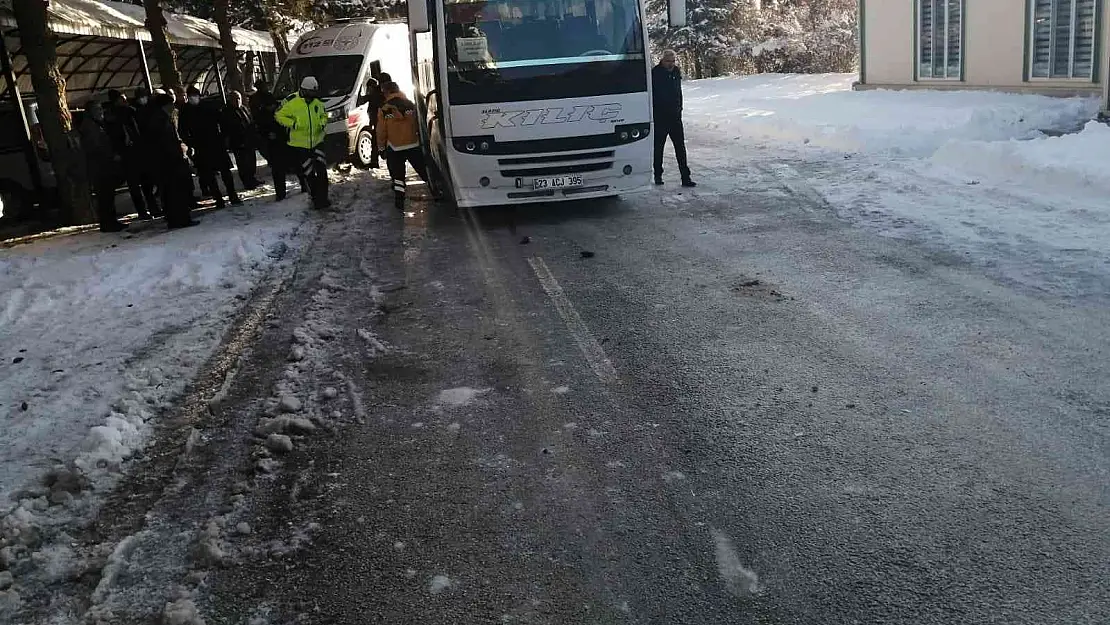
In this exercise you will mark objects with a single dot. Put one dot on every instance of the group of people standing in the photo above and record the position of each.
(154, 144)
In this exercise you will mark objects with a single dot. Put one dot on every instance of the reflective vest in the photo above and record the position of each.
(306, 122)
(397, 125)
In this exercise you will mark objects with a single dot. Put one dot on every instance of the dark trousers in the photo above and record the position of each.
(247, 163)
(313, 165)
(105, 188)
(671, 128)
(280, 157)
(395, 160)
(141, 186)
(177, 198)
(207, 167)
(374, 162)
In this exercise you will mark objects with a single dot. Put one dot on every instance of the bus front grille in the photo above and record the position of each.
(556, 170)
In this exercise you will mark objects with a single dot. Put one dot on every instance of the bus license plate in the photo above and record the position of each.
(558, 182)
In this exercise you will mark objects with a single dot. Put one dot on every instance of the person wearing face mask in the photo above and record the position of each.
(307, 119)
(239, 128)
(142, 108)
(123, 128)
(167, 158)
(202, 130)
(273, 139)
(101, 163)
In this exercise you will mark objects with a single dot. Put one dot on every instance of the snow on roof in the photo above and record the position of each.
(116, 20)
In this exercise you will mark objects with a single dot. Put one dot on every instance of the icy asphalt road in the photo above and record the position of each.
(740, 409)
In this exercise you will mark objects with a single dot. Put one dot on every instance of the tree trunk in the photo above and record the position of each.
(281, 42)
(38, 43)
(233, 78)
(250, 70)
(163, 53)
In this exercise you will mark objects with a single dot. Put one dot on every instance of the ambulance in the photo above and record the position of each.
(346, 58)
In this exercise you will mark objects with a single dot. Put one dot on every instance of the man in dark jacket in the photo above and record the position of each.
(273, 138)
(201, 129)
(123, 130)
(102, 165)
(142, 107)
(376, 97)
(167, 158)
(666, 85)
(239, 129)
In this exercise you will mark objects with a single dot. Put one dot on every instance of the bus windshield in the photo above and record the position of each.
(336, 74)
(513, 50)
(518, 33)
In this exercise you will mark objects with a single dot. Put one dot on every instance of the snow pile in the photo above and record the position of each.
(1078, 159)
(822, 110)
(101, 332)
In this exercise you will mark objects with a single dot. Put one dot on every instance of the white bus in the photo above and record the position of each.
(534, 100)
(343, 57)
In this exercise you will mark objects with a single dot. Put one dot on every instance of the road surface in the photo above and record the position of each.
(725, 405)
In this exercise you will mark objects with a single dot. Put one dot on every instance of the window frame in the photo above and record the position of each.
(1031, 46)
(961, 76)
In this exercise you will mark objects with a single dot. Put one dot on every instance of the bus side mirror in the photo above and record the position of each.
(676, 13)
(418, 16)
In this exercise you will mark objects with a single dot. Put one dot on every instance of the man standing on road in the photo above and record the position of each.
(123, 129)
(307, 120)
(239, 130)
(144, 109)
(399, 138)
(167, 159)
(376, 96)
(666, 84)
(202, 130)
(273, 138)
(102, 166)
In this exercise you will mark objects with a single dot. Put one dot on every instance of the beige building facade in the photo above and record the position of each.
(1056, 47)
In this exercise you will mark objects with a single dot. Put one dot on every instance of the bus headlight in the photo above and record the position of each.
(632, 132)
(335, 115)
(484, 144)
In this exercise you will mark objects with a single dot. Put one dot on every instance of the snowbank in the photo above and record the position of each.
(101, 331)
(822, 110)
(1075, 160)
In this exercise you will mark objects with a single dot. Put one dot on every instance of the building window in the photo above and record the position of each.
(1063, 39)
(940, 35)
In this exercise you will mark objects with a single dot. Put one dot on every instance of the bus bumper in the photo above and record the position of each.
(505, 191)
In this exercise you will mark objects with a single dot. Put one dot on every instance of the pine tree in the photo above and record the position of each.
(707, 39)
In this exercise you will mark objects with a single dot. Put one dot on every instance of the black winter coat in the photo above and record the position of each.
(238, 127)
(202, 129)
(164, 145)
(123, 129)
(666, 92)
(263, 107)
(97, 145)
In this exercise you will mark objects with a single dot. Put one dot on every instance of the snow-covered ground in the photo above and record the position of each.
(101, 332)
(821, 110)
(979, 173)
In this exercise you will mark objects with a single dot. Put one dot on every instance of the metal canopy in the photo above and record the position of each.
(101, 46)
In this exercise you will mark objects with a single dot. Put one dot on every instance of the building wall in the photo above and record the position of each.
(994, 49)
